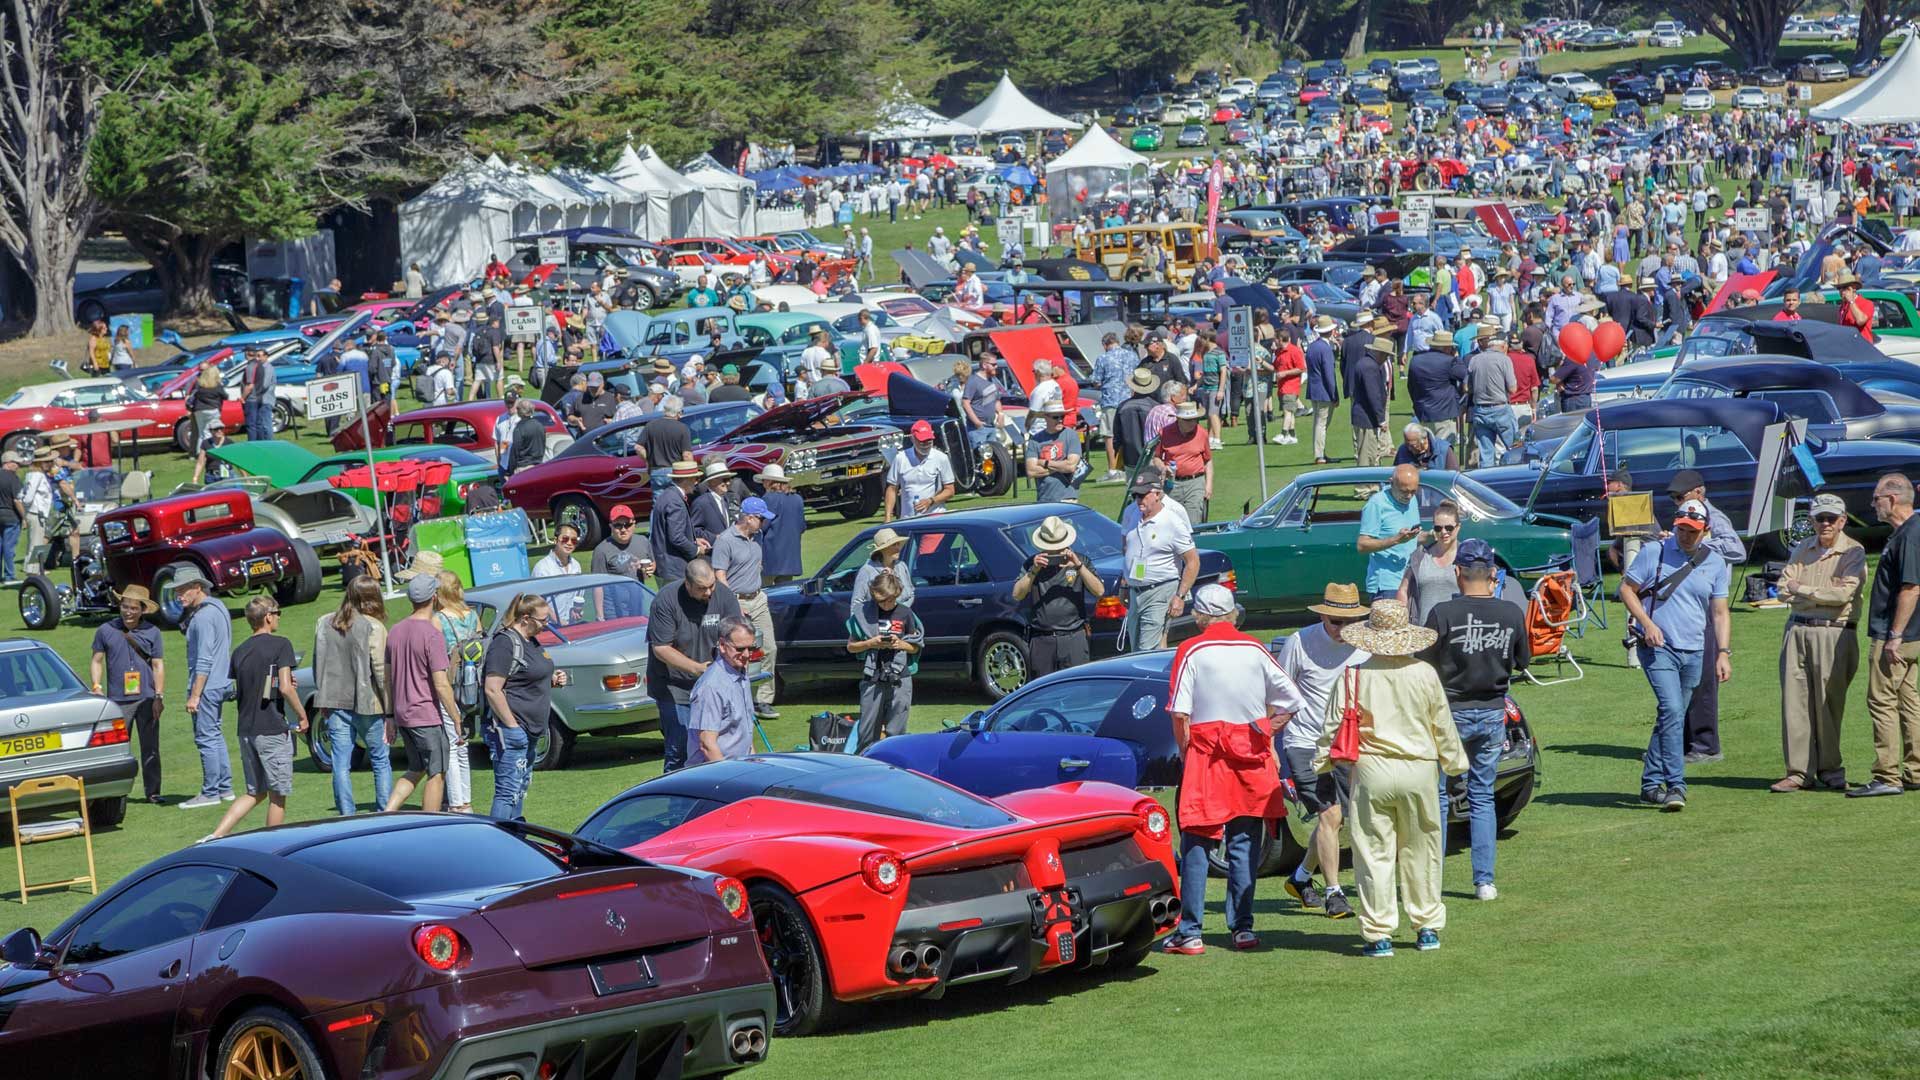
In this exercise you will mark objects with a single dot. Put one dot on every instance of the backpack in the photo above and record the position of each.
(467, 653)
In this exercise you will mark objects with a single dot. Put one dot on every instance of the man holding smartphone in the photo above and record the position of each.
(1056, 582)
(1389, 528)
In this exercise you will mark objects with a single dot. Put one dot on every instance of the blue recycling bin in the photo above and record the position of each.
(497, 546)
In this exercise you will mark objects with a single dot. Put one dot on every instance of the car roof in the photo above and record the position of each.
(1745, 374)
(782, 320)
(994, 516)
(21, 644)
(1745, 417)
(293, 836)
(744, 778)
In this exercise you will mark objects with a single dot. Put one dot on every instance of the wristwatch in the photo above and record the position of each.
(1729, 652)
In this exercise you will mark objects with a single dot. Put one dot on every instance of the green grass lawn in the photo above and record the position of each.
(1732, 940)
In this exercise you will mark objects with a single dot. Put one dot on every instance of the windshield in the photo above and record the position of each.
(97, 485)
(895, 793)
(707, 426)
(1571, 458)
(579, 613)
(1098, 537)
(410, 864)
(34, 674)
(1698, 346)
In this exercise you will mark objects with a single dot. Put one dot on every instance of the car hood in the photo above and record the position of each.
(282, 463)
(793, 416)
(627, 328)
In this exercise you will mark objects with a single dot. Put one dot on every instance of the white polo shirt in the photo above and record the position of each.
(918, 478)
(1233, 680)
(1154, 547)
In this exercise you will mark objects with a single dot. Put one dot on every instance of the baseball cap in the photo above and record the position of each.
(1213, 600)
(596, 379)
(1475, 553)
(1684, 481)
(1828, 503)
(1692, 512)
(620, 513)
(922, 429)
(422, 587)
(755, 506)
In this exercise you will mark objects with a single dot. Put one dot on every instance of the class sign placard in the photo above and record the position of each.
(338, 396)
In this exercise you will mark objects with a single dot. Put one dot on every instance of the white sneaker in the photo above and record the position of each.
(1213, 443)
(1279, 440)
(1485, 892)
(1292, 439)
(228, 797)
(199, 802)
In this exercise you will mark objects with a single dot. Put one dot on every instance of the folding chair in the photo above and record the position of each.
(1557, 604)
(39, 832)
(1592, 580)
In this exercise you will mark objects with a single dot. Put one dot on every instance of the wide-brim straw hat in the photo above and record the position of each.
(424, 562)
(1341, 600)
(685, 469)
(1186, 410)
(1386, 632)
(1054, 534)
(887, 538)
(1324, 324)
(1846, 280)
(1381, 346)
(139, 595)
(1143, 381)
(716, 469)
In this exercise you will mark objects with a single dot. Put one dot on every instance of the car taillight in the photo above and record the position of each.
(439, 947)
(733, 897)
(882, 871)
(1231, 580)
(1154, 819)
(1110, 607)
(109, 733)
(627, 681)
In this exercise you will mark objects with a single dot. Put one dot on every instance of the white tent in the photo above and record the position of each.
(905, 119)
(1888, 96)
(1086, 171)
(1007, 109)
(606, 204)
(642, 170)
(453, 228)
(730, 201)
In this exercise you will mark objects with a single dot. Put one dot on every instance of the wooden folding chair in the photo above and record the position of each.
(39, 832)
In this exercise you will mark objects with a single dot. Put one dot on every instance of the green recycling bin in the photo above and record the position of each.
(448, 536)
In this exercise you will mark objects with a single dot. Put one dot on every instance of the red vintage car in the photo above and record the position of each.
(165, 417)
(730, 252)
(833, 464)
(870, 881)
(832, 267)
(468, 425)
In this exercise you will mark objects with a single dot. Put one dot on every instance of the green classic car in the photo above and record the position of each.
(285, 464)
(1148, 137)
(1286, 551)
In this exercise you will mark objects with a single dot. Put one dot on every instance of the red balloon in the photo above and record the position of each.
(1577, 342)
(1608, 340)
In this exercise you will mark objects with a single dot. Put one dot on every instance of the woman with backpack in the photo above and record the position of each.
(460, 626)
(518, 678)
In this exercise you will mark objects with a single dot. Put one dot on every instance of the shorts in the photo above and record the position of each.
(1321, 791)
(1106, 419)
(1289, 402)
(426, 749)
(266, 764)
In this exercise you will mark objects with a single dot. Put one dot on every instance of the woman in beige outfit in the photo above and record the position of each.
(1405, 730)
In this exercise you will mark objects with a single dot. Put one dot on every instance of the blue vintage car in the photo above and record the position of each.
(1107, 721)
(962, 566)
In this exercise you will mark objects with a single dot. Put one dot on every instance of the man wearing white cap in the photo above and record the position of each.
(1323, 382)
(1227, 696)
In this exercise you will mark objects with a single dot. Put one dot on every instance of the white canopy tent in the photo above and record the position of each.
(1888, 96)
(453, 228)
(729, 201)
(1086, 171)
(606, 204)
(1007, 109)
(904, 119)
(642, 170)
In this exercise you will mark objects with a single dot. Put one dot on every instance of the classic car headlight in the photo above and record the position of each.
(800, 460)
(892, 440)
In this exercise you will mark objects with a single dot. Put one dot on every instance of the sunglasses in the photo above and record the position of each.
(567, 540)
(1827, 519)
(619, 525)
(1446, 528)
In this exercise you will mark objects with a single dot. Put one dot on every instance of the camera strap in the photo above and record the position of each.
(1664, 587)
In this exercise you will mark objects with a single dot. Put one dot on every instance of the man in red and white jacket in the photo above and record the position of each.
(1228, 697)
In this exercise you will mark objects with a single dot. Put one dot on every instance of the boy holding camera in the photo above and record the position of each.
(890, 635)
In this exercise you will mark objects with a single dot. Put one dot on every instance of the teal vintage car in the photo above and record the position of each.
(1285, 552)
(780, 337)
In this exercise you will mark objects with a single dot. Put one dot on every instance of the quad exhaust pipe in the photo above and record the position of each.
(748, 1044)
(913, 959)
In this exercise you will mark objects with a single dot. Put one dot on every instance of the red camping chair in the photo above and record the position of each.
(1557, 604)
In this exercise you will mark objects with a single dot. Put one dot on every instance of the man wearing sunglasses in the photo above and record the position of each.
(1893, 636)
(1821, 652)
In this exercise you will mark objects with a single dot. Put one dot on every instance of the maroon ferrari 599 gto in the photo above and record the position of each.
(390, 946)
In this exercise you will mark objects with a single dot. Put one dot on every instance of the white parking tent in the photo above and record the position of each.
(550, 201)
(905, 120)
(730, 201)
(453, 228)
(642, 170)
(607, 205)
(1086, 172)
(1888, 96)
(1007, 109)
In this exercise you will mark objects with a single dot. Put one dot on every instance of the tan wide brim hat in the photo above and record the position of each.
(1143, 381)
(1387, 631)
(773, 473)
(1054, 534)
(887, 538)
(424, 562)
(1341, 600)
(685, 469)
(139, 595)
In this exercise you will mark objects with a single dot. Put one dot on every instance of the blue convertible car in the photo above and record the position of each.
(962, 565)
(1107, 721)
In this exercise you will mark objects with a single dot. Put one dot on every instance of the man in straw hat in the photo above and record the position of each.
(129, 671)
(887, 545)
(1161, 564)
(781, 536)
(1314, 659)
(1491, 383)
(1405, 730)
(1323, 382)
(1227, 696)
(712, 507)
(1129, 431)
(1368, 384)
(1054, 457)
(1855, 310)
(209, 683)
(1186, 451)
(1056, 582)
(670, 523)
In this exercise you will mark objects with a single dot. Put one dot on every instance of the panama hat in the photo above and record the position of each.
(1054, 534)
(1341, 600)
(664, 367)
(887, 538)
(139, 595)
(1324, 324)
(1386, 631)
(1381, 346)
(737, 302)
(1846, 279)
(1381, 325)
(424, 562)
(772, 473)
(1186, 410)
(1143, 381)
(716, 469)
(685, 469)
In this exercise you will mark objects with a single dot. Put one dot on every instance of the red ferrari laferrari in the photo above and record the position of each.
(871, 881)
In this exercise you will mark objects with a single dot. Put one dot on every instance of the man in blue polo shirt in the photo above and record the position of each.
(1389, 528)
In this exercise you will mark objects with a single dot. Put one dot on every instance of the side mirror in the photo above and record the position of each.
(975, 721)
(811, 587)
(21, 948)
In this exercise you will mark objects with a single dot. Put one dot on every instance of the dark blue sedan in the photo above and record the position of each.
(962, 566)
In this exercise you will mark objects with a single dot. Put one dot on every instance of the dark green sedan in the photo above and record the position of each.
(1285, 552)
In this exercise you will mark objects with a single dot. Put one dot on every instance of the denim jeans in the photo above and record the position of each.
(259, 417)
(343, 727)
(673, 728)
(1673, 674)
(512, 770)
(1239, 835)
(9, 546)
(216, 771)
(1492, 432)
(1483, 734)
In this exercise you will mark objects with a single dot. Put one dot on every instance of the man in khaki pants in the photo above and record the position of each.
(1893, 630)
(1821, 651)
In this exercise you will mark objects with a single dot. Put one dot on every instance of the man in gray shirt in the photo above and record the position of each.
(720, 708)
(736, 560)
(209, 684)
(1490, 386)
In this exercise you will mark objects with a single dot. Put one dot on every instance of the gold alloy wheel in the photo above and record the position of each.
(261, 1053)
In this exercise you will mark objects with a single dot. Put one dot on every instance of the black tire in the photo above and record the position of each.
(996, 470)
(267, 1030)
(106, 813)
(575, 510)
(308, 577)
(1271, 855)
(554, 749)
(183, 435)
(1001, 664)
(872, 493)
(802, 992)
(20, 442)
(169, 614)
(321, 749)
(39, 603)
(282, 416)
(1507, 809)
(1130, 956)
